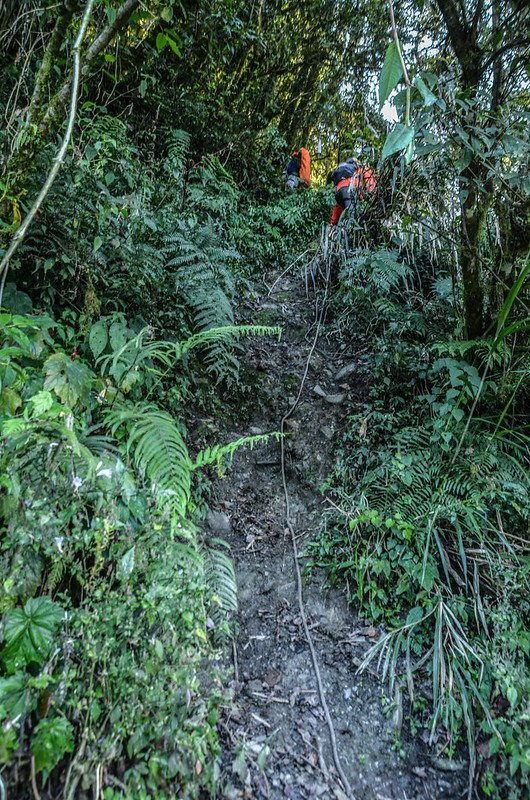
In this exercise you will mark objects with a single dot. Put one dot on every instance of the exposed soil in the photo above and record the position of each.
(275, 740)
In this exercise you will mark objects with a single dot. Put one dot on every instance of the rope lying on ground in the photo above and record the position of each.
(289, 413)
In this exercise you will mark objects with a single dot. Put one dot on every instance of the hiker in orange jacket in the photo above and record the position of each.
(298, 171)
(352, 182)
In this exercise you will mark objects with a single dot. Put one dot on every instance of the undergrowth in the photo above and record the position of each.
(119, 329)
(432, 477)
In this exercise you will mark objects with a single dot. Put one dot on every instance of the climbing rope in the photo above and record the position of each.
(333, 739)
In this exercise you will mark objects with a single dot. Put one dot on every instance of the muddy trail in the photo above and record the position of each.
(276, 743)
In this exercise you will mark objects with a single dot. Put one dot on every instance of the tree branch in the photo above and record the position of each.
(123, 16)
(59, 158)
(52, 50)
(508, 46)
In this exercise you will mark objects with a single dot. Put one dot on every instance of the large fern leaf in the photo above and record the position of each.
(221, 580)
(160, 453)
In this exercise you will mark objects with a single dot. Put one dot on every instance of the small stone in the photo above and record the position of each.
(335, 399)
(256, 431)
(327, 432)
(292, 424)
(347, 694)
(319, 391)
(272, 676)
(218, 522)
(345, 372)
(420, 772)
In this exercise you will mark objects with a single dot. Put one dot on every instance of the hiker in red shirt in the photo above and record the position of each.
(352, 181)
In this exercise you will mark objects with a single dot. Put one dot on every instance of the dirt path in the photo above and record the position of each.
(276, 742)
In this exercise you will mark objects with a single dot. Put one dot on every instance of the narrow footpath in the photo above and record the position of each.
(276, 743)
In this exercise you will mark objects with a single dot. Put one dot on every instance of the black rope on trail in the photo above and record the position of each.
(324, 258)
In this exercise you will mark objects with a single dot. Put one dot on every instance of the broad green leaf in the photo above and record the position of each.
(70, 380)
(51, 740)
(398, 139)
(409, 152)
(41, 402)
(173, 45)
(29, 632)
(429, 98)
(98, 337)
(118, 335)
(98, 241)
(16, 301)
(14, 695)
(9, 401)
(414, 615)
(161, 41)
(126, 565)
(495, 745)
(511, 694)
(512, 296)
(391, 73)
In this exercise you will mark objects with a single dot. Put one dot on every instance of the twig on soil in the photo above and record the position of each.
(261, 720)
(260, 638)
(322, 760)
(234, 656)
(270, 698)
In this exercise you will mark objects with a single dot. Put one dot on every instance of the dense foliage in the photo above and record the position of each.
(118, 330)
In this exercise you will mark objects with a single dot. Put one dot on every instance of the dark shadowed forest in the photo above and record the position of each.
(264, 399)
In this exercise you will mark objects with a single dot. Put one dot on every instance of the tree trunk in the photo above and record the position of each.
(473, 214)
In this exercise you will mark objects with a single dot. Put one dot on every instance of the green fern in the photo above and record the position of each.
(160, 453)
(220, 578)
(381, 269)
(219, 454)
(204, 281)
(178, 146)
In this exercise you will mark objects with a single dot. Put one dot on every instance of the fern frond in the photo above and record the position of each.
(220, 578)
(219, 453)
(199, 339)
(177, 152)
(160, 453)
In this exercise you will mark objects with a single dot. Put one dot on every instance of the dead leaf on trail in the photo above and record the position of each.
(363, 430)
(306, 736)
(372, 632)
(198, 767)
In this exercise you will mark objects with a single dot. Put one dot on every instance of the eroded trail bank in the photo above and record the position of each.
(275, 739)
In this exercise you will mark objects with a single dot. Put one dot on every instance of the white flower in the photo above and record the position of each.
(59, 543)
(104, 473)
(77, 482)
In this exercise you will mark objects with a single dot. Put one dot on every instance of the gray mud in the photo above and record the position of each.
(275, 739)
